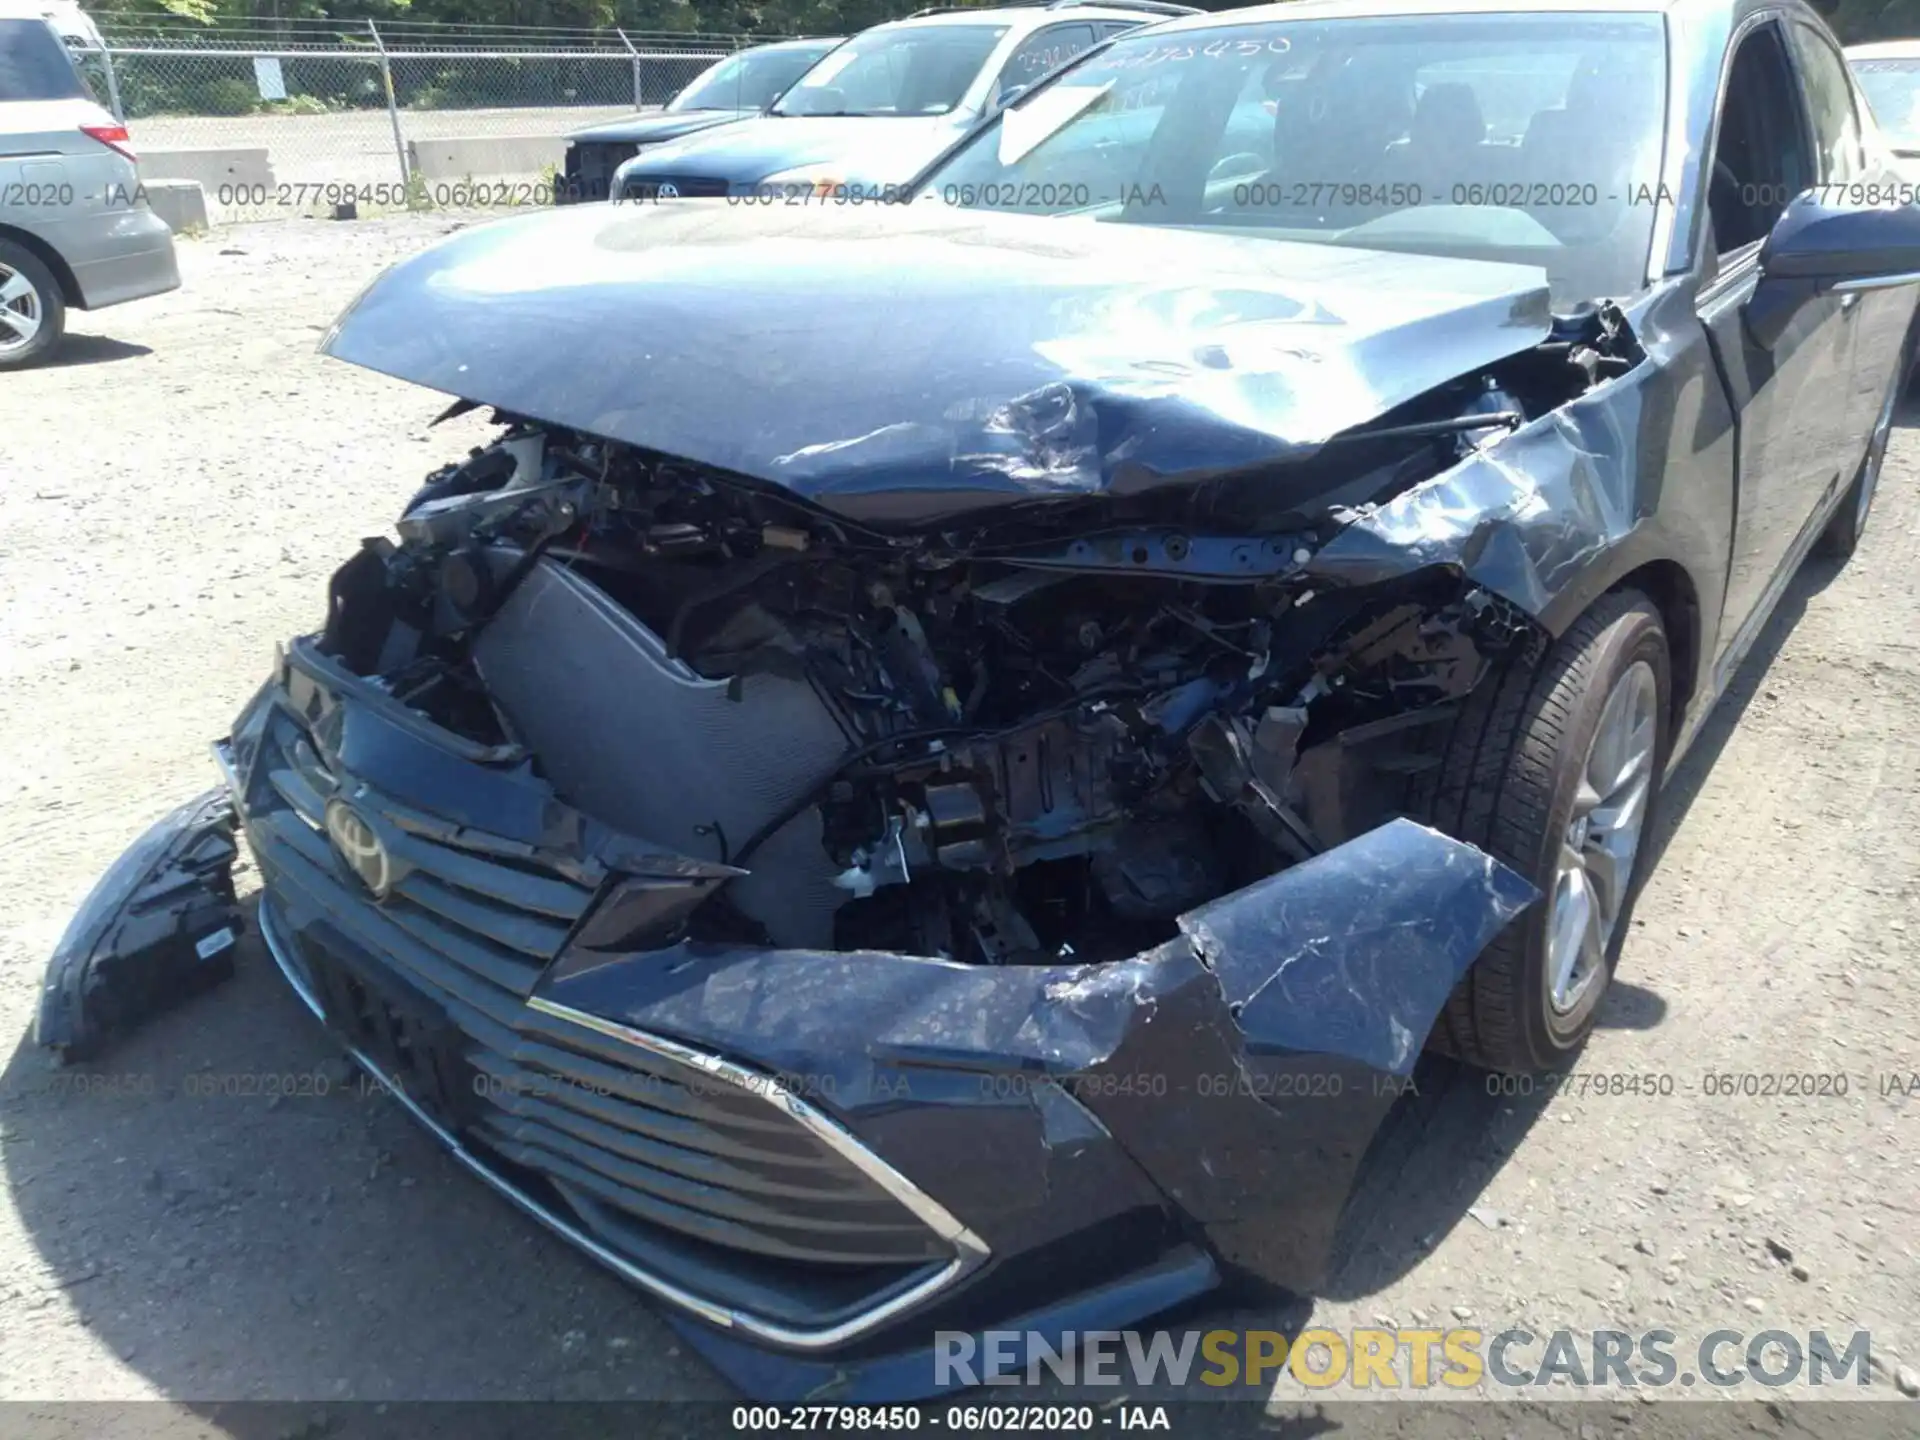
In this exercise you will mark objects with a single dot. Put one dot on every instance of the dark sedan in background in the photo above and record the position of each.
(942, 770)
(731, 89)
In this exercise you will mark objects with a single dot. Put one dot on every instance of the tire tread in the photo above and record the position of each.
(1494, 788)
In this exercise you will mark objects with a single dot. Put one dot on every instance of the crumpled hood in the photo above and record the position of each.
(654, 127)
(903, 362)
(874, 150)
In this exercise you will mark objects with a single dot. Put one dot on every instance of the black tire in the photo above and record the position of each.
(1506, 782)
(1842, 535)
(48, 303)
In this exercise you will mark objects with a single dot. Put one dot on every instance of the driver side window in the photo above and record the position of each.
(1761, 158)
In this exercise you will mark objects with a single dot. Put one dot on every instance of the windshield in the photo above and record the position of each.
(751, 80)
(1521, 137)
(34, 64)
(1893, 92)
(910, 70)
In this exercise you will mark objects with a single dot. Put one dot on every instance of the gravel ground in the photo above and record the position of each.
(196, 473)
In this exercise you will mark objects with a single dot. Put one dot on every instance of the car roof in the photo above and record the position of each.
(68, 20)
(1029, 16)
(805, 42)
(1357, 9)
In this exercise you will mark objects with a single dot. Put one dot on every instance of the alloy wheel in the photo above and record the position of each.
(21, 311)
(1602, 838)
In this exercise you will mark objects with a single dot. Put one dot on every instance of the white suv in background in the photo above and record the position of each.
(877, 110)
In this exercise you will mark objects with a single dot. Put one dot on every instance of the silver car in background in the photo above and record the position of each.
(75, 229)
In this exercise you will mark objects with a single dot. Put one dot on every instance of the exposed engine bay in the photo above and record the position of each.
(1036, 735)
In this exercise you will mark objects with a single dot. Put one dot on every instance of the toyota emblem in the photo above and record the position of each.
(359, 845)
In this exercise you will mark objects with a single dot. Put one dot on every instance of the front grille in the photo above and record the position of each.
(431, 983)
(670, 187)
(498, 921)
(589, 170)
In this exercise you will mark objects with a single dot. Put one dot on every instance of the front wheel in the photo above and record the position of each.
(1552, 768)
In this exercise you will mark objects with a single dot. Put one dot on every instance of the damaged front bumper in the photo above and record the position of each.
(159, 926)
(818, 1159)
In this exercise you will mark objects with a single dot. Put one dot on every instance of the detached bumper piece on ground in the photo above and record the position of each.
(159, 927)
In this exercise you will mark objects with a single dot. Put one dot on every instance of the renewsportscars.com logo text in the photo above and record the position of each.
(1435, 1360)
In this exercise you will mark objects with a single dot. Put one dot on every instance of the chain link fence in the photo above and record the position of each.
(300, 116)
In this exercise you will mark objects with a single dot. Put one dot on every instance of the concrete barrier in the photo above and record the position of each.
(212, 167)
(181, 203)
(457, 157)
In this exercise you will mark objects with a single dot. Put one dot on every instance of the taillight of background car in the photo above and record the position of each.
(114, 137)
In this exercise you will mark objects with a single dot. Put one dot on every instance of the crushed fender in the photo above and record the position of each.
(1242, 1067)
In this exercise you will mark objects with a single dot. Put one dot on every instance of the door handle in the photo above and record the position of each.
(1849, 299)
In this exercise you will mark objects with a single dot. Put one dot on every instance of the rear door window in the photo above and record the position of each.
(34, 64)
(1836, 128)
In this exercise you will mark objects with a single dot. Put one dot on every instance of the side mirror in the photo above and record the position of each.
(1858, 248)
(1817, 249)
(1010, 94)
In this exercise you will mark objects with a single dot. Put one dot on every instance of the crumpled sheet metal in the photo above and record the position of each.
(1242, 1067)
(1524, 516)
(1345, 955)
(1353, 953)
(922, 361)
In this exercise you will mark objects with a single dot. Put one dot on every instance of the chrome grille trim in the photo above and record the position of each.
(765, 1087)
(738, 1162)
(970, 1252)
